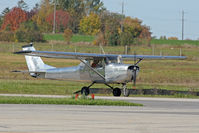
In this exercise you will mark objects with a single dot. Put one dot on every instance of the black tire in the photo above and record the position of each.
(117, 92)
(85, 91)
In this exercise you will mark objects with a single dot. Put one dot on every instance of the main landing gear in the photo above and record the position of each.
(116, 91)
(85, 90)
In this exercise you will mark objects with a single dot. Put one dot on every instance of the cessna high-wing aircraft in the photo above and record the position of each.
(96, 68)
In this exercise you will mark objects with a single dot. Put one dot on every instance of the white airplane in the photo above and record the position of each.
(96, 68)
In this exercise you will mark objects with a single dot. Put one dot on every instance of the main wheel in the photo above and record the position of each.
(85, 91)
(126, 92)
(116, 92)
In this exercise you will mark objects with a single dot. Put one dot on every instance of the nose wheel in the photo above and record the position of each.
(126, 91)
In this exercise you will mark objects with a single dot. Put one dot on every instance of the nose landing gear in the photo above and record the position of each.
(126, 91)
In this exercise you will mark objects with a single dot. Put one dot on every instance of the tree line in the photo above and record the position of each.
(87, 17)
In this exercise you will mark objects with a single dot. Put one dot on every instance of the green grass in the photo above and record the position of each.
(169, 96)
(82, 38)
(66, 101)
(160, 74)
(75, 38)
(90, 39)
(175, 42)
(57, 37)
(53, 87)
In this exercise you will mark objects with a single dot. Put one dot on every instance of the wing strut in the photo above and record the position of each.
(92, 69)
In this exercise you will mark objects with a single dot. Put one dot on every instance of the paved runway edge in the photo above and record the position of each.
(109, 97)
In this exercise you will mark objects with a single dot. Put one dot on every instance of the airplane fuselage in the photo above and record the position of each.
(113, 73)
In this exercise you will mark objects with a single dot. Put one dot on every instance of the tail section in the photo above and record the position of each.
(34, 63)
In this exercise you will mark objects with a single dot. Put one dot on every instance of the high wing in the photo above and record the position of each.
(75, 55)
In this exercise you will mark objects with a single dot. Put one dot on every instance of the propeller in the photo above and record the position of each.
(134, 75)
(134, 68)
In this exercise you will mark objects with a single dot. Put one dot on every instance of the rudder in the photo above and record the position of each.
(34, 63)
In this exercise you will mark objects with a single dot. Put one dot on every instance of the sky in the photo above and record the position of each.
(164, 17)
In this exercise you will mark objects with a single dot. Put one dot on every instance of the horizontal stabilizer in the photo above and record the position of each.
(34, 74)
(25, 71)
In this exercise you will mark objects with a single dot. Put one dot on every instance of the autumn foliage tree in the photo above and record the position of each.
(131, 30)
(172, 38)
(68, 35)
(117, 29)
(33, 12)
(145, 36)
(13, 19)
(45, 9)
(78, 9)
(62, 19)
(28, 32)
(90, 25)
(109, 30)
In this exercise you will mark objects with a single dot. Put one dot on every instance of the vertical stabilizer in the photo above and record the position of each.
(34, 63)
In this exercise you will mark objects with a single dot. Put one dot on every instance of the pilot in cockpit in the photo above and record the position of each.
(95, 63)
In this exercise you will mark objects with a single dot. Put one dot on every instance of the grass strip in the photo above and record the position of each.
(55, 87)
(63, 101)
(74, 39)
(174, 42)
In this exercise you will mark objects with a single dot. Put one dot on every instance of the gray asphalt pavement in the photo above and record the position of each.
(159, 115)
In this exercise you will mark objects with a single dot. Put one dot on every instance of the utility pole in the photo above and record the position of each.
(54, 20)
(122, 26)
(182, 24)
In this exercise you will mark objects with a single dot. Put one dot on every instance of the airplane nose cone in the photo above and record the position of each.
(133, 70)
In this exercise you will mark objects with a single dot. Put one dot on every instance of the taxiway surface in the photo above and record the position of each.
(156, 116)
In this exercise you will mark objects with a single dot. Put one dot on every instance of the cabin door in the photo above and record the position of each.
(99, 66)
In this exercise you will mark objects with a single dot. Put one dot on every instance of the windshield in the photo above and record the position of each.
(109, 60)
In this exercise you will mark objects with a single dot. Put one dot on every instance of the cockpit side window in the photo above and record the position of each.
(96, 63)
